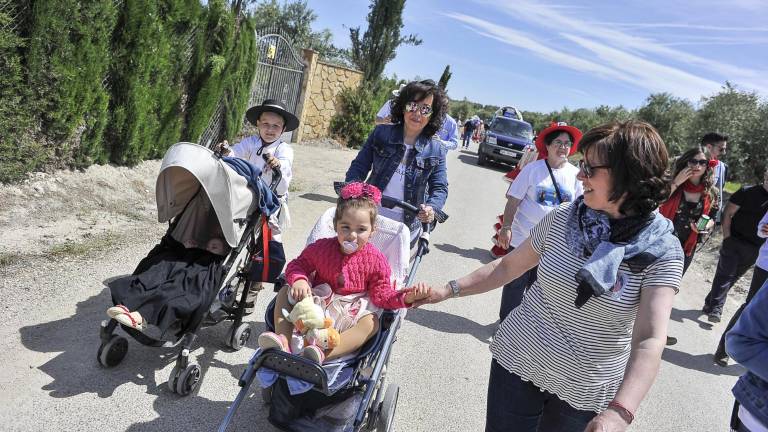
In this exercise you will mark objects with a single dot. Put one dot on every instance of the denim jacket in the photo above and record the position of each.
(426, 179)
(747, 343)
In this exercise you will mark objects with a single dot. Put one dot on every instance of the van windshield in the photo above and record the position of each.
(509, 127)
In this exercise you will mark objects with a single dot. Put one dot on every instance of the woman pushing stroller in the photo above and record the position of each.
(356, 272)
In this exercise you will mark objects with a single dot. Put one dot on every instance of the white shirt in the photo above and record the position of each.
(396, 189)
(385, 110)
(247, 149)
(534, 188)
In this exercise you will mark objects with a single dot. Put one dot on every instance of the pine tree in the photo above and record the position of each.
(443, 83)
(378, 45)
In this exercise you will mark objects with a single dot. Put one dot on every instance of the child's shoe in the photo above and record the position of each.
(117, 310)
(313, 353)
(273, 340)
(133, 320)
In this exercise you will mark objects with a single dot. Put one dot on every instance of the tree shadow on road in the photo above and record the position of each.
(448, 323)
(476, 253)
(75, 370)
(700, 362)
(693, 315)
(318, 197)
(471, 159)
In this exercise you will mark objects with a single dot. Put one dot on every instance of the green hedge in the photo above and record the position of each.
(117, 81)
(18, 153)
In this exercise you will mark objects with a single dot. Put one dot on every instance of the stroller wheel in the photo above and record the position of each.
(386, 417)
(173, 378)
(188, 379)
(112, 352)
(239, 336)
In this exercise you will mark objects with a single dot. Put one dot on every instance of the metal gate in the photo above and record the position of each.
(279, 72)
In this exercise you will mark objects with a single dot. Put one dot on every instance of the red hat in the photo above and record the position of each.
(541, 146)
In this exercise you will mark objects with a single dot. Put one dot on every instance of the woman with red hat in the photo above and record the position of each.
(539, 188)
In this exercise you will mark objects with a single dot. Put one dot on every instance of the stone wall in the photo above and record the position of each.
(319, 99)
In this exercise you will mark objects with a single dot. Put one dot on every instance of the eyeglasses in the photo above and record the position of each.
(424, 109)
(561, 144)
(589, 170)
(700, 162)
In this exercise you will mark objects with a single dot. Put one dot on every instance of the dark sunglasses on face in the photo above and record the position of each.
(700, 162)
(423, 109)
(589, 170)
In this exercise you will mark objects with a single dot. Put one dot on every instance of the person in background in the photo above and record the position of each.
(747, 343)
(541, 186)
(715, 146)
(741, 244)
(469, 129)
(448, 133)
(693, 195)
(759, 277)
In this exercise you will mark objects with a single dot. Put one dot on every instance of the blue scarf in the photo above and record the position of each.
(638, 241)
(268, 202)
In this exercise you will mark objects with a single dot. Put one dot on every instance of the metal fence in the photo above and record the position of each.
(16, 12)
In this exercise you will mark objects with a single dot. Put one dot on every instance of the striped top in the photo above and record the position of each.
(577, 354)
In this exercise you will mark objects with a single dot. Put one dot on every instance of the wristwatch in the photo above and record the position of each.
(455, 289)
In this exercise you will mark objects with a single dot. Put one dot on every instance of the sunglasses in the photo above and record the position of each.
(589, 170)
(561, 144)
(700, 162)
(423, 109)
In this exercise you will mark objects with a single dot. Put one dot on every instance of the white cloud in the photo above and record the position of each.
(545, 16)
(614, 64)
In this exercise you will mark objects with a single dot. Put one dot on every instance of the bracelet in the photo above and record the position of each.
(509, 227)
(623, 412)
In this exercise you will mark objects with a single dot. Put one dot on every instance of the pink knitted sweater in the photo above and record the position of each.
(366, 270)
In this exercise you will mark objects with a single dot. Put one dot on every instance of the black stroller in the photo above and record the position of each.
(356, 397)
(207, 204)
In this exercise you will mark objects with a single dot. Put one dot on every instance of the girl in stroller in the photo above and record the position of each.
(356, 272)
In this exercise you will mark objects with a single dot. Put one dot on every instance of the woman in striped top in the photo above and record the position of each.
(584, 347)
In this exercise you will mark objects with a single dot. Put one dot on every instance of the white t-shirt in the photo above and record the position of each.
(396, 189)
(247, 149)
(534, 188)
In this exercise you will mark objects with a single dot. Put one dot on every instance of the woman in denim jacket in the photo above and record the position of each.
(747, 343)
(404, 159)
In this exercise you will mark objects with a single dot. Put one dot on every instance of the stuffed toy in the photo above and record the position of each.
(309, 319)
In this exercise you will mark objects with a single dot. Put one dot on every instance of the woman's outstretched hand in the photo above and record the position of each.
(420, 291)
(607, 421)
(436, 294)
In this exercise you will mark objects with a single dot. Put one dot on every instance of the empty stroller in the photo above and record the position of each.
(180, 286)
(351, 396)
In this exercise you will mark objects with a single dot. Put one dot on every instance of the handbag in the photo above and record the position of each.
(267, 264)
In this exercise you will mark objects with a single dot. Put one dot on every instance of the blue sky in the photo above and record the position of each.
(542, 56)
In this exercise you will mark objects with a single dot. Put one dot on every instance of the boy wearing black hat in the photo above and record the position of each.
(268, 152)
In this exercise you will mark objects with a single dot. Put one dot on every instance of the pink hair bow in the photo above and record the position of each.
(361, 190)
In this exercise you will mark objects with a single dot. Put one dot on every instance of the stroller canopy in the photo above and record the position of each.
(186, 168)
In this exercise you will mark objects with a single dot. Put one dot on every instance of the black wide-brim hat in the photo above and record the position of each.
(274, 106)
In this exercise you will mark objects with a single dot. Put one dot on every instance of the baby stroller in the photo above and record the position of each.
(352, 396)
(198, 193)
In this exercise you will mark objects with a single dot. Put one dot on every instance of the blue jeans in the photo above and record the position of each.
(520, 406)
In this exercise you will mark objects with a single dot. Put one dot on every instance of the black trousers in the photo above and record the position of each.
(758, 279)
(736, 257)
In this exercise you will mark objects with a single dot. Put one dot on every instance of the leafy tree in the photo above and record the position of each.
(735, 113)
(378, 45)
(443, 82)
(295, 19)
(672, 117)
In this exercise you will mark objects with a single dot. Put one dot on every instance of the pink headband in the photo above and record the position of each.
(361, 190)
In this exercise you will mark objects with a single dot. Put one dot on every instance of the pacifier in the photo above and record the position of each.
(349, 246)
